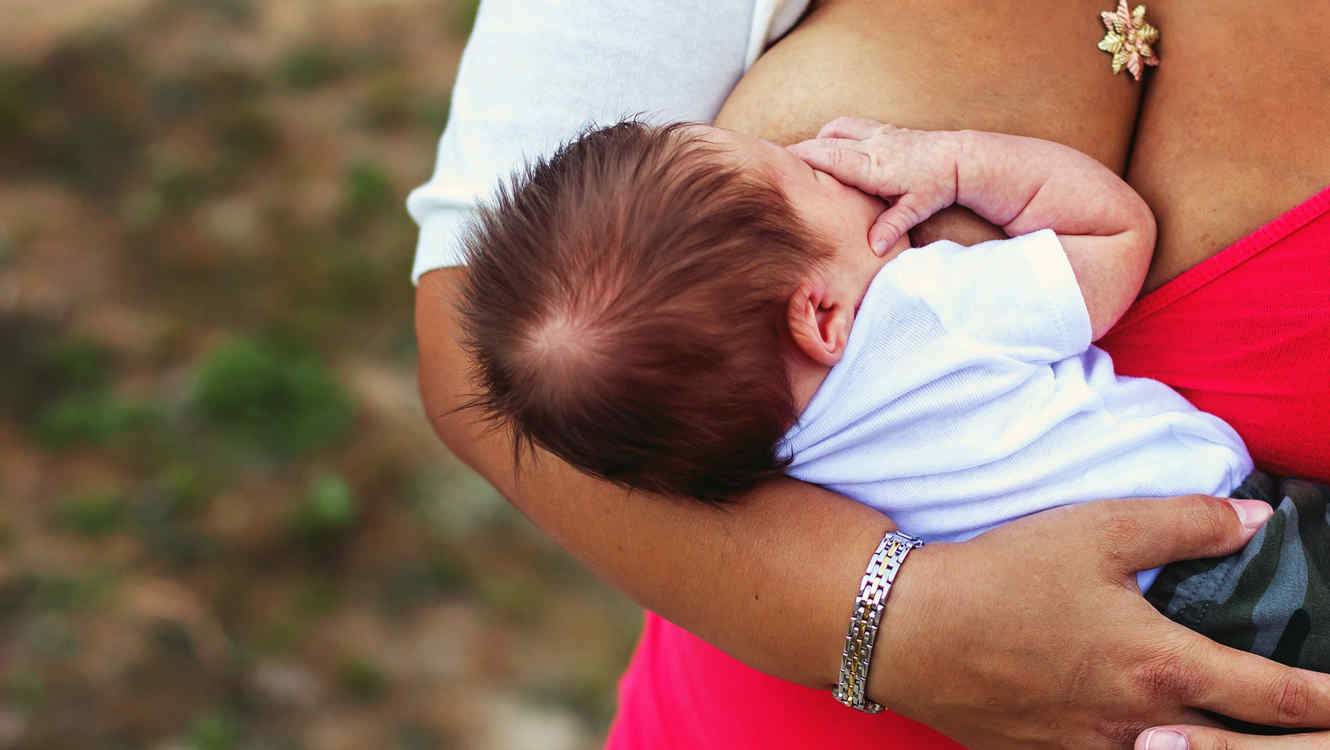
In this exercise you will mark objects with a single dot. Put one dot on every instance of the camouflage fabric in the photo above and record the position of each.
(1273, 597)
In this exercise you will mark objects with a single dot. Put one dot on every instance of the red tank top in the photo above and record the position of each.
(1244, 335)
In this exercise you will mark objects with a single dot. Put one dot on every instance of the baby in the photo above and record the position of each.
(689, 311)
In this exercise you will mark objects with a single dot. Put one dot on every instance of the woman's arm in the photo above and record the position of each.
(753, 583)
(1030, 636)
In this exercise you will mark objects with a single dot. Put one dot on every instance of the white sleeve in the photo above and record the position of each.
(535, 73)
(1018, 294)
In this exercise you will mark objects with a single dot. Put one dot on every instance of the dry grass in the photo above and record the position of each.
(224, 522)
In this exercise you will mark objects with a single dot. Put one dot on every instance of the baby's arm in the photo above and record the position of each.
(1025, 184)
(1020, 184)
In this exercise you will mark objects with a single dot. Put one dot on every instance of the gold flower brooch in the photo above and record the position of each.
(1128, 39)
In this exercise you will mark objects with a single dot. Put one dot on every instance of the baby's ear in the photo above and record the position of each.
(819, 326)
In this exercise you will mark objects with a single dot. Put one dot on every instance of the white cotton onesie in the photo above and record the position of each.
(969, 395)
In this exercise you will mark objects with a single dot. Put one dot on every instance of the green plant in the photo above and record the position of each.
(183, 488)
(283, 404)
(418, 737)
(212, 731)
(89, 419)
(330, 504)
(64, 593)
(329, 510)
(75, 364)
(247, 136)
(238, 12)
(315, 597)
(173, 189)
(13, 244)
(367, 192)
(25, 689)
(59, 388)
(432, 112)
(309, 66)
(362, 679)
(91, 514)
(13, 98)
(357, 282)
(388, 105)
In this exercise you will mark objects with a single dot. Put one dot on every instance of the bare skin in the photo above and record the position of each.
(1109, 666)
(1215, 149)
(1222, 146)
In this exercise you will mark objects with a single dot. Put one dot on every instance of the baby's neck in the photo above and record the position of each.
(849, 277)
(806, 377)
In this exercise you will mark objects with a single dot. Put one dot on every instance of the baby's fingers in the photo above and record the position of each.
(892, 224)
(847, 162)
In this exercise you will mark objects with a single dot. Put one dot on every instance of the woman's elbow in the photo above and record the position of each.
(442, 363)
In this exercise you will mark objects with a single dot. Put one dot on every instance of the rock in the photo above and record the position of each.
(234, 222)
(156, 603)
(442, 644)
(522, 725)
(288, 685)
(12, 728)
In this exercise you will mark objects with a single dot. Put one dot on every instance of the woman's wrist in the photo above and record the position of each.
(884, 565)
(811, 585)
(904, 635)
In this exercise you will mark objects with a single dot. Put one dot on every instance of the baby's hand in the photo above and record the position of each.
(915, 170)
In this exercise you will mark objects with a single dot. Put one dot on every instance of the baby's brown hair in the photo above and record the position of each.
(626, 308)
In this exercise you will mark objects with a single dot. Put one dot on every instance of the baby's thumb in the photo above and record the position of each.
(893, 223)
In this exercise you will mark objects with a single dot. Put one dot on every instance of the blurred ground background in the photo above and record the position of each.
(224, 522)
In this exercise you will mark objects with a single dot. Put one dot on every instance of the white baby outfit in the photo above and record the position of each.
(969, 395)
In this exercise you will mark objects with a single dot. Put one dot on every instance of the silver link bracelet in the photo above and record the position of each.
(852, 687)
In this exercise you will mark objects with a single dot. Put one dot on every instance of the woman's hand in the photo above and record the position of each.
(916, 170)
(1034, 635)
(1209, 738)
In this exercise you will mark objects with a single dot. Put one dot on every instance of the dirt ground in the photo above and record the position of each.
(224, 522)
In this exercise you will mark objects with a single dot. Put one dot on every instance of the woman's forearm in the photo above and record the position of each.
(1032, 635)
(770, 579)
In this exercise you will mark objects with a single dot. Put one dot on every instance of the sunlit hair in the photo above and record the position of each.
(626, 308)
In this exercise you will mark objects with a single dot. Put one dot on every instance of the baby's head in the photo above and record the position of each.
(656, 304)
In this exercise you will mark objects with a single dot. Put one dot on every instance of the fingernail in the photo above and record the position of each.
(1164, 739)
(879, 247)
(1252, 513)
